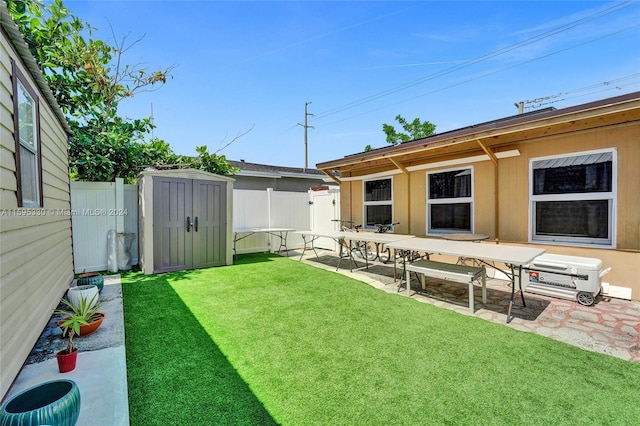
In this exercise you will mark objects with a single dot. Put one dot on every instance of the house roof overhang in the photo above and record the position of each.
(15, 37)
(489, 138)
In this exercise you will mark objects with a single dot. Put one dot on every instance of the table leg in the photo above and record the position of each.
(520, 285)
(350, 251)
(515, 277)
(304, 249)
(283, 242)
(235, 239)
(340, 244)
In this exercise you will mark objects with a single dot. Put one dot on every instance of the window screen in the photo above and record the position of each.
(572, 198)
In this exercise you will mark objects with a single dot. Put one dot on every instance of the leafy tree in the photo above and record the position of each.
(414, 130)
(89, 78)
(213, 163)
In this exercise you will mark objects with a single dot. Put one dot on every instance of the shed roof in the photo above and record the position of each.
(185, 174)
(15, 37)
(265, 170)
(494, 134)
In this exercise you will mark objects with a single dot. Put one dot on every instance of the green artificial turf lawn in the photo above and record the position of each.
(273, 341)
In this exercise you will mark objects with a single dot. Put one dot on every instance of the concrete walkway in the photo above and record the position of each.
(101, 369)
(610, 326)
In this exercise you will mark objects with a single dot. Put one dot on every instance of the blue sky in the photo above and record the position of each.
(251, 66)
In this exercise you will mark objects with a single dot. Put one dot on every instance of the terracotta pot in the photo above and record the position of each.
(86, 328)
(66, 361)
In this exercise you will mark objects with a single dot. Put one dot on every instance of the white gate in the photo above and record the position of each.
(325, 209)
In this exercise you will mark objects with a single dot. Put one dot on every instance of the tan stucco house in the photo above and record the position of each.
(36, 260)
(564, 179)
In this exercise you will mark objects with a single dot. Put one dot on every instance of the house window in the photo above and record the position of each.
(450, 201)
(26, 120)
(378, 202)
(573, 197)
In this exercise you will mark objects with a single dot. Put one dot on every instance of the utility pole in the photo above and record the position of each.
(306, 127)
(520, 106)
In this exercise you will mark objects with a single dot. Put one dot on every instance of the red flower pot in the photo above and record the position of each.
(66, 361)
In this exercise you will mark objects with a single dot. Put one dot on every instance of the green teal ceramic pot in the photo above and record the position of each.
(56, 402)
(93, 278)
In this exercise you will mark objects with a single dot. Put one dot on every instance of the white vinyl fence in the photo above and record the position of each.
(269, 209)
(99, 207)
(96, 208)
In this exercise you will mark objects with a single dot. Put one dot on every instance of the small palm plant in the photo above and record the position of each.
(74, 316)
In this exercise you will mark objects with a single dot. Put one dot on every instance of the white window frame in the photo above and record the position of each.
(612, 198)
(20, 83)
(375, 203)
(458, 200)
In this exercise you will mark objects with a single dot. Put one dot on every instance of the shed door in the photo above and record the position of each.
(189, 221)
(209, 212)
(172, 205)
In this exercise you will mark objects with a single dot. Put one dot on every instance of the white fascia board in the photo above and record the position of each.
(259, 174)
(436, 165)
(302, 175)
(279, 175)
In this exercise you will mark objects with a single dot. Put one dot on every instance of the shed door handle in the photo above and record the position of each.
(188, 223)
(196, 221)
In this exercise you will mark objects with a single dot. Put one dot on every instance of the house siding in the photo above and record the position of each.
(36, 260)
(619, 131)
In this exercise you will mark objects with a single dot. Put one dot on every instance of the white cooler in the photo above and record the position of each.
(566, 277)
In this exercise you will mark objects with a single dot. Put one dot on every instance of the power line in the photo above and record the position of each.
(616, 7)
(486, 74)
(545, 100)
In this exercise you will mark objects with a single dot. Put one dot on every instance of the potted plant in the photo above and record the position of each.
(86, 292)
(91, 278)
(89, 317)
(84, 314)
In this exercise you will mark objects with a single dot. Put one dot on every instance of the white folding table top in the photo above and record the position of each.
(328, 234)
(373, 237)
(515, 255)
(376, 237)
(263, 230)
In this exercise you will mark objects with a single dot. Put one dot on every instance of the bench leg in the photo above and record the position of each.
(422, 281)
(471, 307)
(408, 283)
(484, 289)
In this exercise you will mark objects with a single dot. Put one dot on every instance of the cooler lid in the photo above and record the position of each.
(561, 260)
